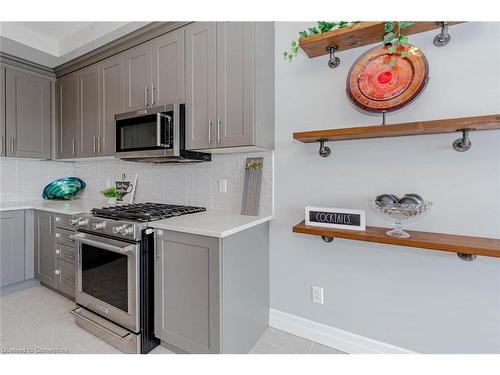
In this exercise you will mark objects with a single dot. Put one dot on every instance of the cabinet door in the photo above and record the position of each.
(65, 277)
(67, 107)
(27, 116)
(45, 248)
(11, 247)
(187, 291)
(88, 110)
(200, 85)
(235, 84)
(168, 68)
(138, 81)
(111, 73)
(2, 110)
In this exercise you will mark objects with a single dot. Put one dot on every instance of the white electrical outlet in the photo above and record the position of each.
(223, 186)
(317, 294)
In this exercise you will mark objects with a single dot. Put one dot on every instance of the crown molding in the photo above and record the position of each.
(119, 45)
(19, 62)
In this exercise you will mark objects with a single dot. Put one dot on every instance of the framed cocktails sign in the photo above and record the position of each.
(339, 218)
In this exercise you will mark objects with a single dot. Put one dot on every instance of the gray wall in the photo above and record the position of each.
(426, 301)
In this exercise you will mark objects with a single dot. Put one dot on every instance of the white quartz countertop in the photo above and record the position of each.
(72, 207)
(212, 223)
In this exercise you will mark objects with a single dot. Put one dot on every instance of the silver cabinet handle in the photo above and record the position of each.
(99, 144)
(152, 94)
(95, 138)
(219, 123)
(209, 131)
(1, 145)
(12, 146)
(73, 146)
(146, 96)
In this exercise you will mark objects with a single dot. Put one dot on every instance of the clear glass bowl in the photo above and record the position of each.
(400, 213)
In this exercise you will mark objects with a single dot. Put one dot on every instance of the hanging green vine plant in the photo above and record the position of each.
(322, 27)
(395, 38)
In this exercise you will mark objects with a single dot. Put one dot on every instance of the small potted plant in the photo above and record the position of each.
(111, 194)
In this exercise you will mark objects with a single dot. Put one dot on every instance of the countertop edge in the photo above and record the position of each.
(210, 233)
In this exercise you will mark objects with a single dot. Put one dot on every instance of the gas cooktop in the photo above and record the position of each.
(144, 212)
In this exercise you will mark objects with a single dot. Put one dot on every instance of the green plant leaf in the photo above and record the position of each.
(389, 26)
(313, 30)
(404, 24)
(392, 63)
(392, 49)
(290, 57)
(303, 34)
(389, 37)
(285, 54)
(343, 24)
(403, 39)
(295, 49)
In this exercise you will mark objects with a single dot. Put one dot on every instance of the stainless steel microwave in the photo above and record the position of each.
(155, 135)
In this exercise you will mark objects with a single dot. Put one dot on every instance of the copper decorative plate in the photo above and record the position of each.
(376, 85)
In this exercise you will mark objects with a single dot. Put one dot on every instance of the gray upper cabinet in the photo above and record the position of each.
(138, 81)
(88, 111)
(12, 247)
(168, 68)
(200, 85)
(2, 110)
(235, 88)
(27, 115)
(187, 292)
(111, 74)
(241, 111)
(45, 248)
(67, 115)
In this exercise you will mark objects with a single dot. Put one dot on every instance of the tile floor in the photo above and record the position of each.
(26, 323)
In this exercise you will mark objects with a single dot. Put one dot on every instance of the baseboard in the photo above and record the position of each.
(327, 335)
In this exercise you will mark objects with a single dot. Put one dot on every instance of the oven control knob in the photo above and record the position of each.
(74, 221)
(82, 222)
(117, 229)
(98, 226)
(127, 231)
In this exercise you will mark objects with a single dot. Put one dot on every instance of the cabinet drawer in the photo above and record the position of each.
(65, 252)
(64, 222)
(65, 277)
(63, 237)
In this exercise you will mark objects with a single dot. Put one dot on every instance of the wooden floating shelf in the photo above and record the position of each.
(489, 247)
(489, 122)
(360, 34)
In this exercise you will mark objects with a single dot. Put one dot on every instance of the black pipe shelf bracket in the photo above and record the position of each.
(443, 38)
(464, 143)
(324, 151)
(333, 61)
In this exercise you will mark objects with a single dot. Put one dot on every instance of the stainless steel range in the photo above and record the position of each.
(114, 280)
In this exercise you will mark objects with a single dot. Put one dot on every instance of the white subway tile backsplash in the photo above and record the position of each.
(194, 184)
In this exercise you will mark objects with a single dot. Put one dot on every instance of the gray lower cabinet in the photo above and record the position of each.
(67, 116)
(45, 248)
(212, 295)
(236, 109)
(55, 252)
(12, 247)
(27, 115)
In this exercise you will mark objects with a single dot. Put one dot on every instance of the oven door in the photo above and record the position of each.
(107, 280)
(147, 133)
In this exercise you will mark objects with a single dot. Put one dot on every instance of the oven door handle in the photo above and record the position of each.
(104, 243)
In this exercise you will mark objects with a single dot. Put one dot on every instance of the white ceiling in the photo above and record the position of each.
(54, 43)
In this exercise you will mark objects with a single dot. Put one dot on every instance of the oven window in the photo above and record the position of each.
(105, 276)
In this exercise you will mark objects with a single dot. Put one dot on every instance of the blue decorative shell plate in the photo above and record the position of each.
(64, 188)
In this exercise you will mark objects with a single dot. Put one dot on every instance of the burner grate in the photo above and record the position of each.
(144, 212)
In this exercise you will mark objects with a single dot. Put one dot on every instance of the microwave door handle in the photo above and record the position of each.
(158, 129)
